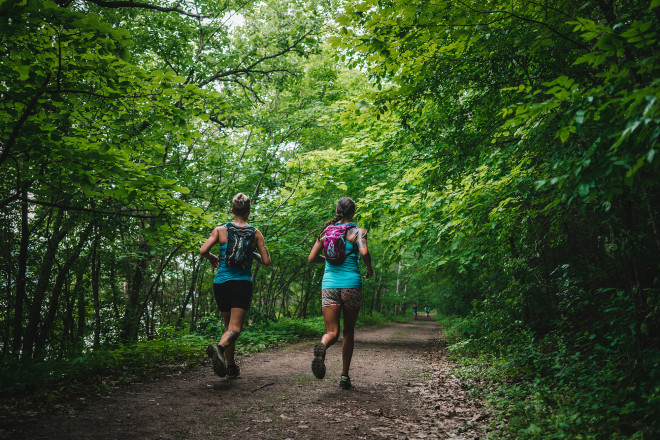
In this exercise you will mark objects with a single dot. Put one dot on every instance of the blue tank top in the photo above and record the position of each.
(345, 275)
(228, 273)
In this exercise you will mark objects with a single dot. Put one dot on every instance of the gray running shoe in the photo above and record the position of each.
(345, 382)
(318, 364)
(217, 355)
(233, 371)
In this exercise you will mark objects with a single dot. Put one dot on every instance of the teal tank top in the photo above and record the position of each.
(228, 273)
(345, 275)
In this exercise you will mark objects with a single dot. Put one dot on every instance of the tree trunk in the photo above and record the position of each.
(154, 285)
(96, 268)
(264, 302)
(81, 309)
(115, 294)
(6, 330)
(256, 286)
(68, 328)
(191, 293)
(306, 285)
(34, 316)
(62, 275)
(196, 305)
(131, 319)
(398, 286)
(21, 278)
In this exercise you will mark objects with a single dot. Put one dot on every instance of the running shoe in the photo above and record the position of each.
(217, 355)
(318, 364)
(345, 382)
(233, 371)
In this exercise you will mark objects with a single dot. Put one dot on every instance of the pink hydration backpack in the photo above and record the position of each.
(334, 243)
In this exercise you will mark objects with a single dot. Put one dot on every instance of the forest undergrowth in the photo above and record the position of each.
(501, 155)
(568, 391)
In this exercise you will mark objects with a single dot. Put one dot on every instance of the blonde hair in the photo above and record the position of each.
(240, 205)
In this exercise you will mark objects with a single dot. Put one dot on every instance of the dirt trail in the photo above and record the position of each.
(402, 388)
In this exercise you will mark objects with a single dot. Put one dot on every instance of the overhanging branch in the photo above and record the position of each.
(90, 210)
(132, 4)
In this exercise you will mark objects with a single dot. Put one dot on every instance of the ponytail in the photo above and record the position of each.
(334, 220)
(345, 209)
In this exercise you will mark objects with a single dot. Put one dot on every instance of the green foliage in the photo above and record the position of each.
(260, 336)
(558, 387)
(103, 368)
(124, 134)
(517, 169)
(502, 155)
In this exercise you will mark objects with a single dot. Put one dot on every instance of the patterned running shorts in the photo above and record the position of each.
(347, 298)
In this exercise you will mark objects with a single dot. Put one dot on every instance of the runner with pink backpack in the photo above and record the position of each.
(343, 244)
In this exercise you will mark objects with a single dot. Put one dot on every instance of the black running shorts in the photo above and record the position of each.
(233, 294)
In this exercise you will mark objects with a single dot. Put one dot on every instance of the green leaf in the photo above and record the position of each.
(583, 189)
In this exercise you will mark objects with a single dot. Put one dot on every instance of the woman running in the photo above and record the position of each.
(232, 286)
(341, 288)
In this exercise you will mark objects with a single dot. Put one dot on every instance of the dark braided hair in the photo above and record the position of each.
(345, 208)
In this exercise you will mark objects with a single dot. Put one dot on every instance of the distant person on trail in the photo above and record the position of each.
(341, 287)
(415, 310)
(427, 310)
(232, 286)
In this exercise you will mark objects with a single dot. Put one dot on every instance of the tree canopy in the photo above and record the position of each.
(502, 156)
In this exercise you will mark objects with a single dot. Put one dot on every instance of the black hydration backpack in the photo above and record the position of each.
(239, 251)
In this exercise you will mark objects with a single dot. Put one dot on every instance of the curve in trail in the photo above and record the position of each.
(395, 394)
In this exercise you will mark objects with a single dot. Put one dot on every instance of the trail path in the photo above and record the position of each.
(402, 388)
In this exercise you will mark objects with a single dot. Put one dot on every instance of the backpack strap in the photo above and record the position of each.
(248, 227)
(351, 226)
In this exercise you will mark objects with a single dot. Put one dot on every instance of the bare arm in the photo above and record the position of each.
(262, 255)
(315, 256)
(205, 250)
(364, 252)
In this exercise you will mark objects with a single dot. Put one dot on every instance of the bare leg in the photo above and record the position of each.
(350, 318)
(234, 320)
(331, 316)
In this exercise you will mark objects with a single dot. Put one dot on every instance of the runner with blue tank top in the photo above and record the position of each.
(232, 285)
(341, 289)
